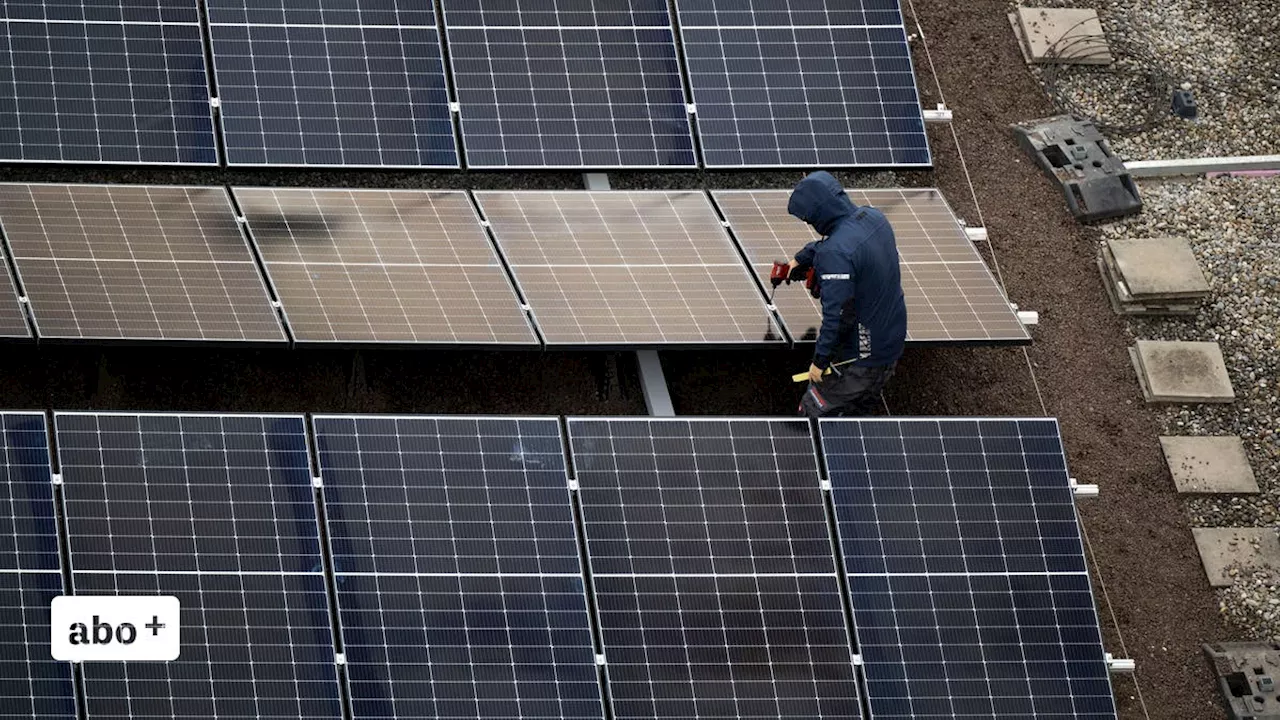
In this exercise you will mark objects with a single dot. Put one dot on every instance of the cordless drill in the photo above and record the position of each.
(783, 272)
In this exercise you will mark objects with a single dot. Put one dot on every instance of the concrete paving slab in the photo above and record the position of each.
(1145, 308)
(1060, 35)
(1209, 464)
(1157, 268)
(1190, 372)
(1227, 552)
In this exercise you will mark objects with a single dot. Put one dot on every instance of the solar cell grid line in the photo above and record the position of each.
(383, 266)
(712, 567)
(217, 510)
(970, 591)
(951, 295)
(779, 83)
(32, 684)
(591, 85)
(332, 83)
(136, 262)
(116, 82)
(627, 268)
(460, 588)
(13, 319)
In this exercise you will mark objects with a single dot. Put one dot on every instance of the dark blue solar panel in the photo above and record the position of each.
(28, 530)
(114, 83)
(784, 83)
(182, 493)
(253, 646)
(447, 495)
(468, 646)
(970, 592)
(33, 686)
(331, 83)
(592, 84)
(459, 582)
(712, 568)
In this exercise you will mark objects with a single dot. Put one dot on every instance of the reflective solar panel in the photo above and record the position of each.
(331, 83)
(802, 83)
(970, 592)
(951, 295)
(13, 319)
(219, 512)
(627, 268)
(104, 82)
(459, 580)
(591, 84)
(383, 266)
(712, 566)
(32, 684)
(135, 262)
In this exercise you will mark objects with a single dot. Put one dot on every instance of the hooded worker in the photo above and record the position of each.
(857, 279)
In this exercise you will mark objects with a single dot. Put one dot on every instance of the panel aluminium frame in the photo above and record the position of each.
(709, 10)
(454, 29)
(428, 27)
(107, 23)
(404, 243)
(35, 255)
(418, 574)
(257, 626)
(13, 315)
(946, 312)
(549, 258)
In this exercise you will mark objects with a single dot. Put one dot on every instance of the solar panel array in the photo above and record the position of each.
(593, 84)
(968, 580)
(459, 583)
(626, 268)
(383, 266)
(120, 82)
(951, 295)
(325, 83)
(802, 83)
(219, 512)
(135, 262)
(712, 568)
(32, 684)
(13, 319)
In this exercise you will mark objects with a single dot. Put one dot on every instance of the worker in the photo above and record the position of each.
(856, 277)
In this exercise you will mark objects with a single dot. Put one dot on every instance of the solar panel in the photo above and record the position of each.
(32, 684)
(219, 512)
(812, 83)
(712, 567)
(13, 319)
(459, 580)
(384, 266)
(331, 83)
(593, 84)
(951, 295)
(135, 262)
(627, 268)
(114, 82)
(969, 587)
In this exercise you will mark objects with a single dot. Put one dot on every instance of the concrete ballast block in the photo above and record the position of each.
(1060, 35)
(1209, 464)
(1164, 268)
(1227, 552)
(1182, 372)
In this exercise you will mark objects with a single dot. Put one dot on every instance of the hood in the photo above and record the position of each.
(820, 201)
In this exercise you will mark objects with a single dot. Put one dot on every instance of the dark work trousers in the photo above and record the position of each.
(853, 393)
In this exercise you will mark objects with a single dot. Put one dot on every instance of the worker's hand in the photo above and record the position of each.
(815, 373)
(794, 271)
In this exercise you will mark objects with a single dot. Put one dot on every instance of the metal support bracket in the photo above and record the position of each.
(976, 234)
(596, 181)
(941, 115)
(657, 398)
(1084, 490)
(1199, 166)
(1120, 666)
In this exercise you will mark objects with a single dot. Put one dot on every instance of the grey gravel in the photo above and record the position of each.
(1227, 52)
(1233, 226)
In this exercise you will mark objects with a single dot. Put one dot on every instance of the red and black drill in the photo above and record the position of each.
(783, 272)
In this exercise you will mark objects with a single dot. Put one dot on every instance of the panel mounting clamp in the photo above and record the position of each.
(691, 109)
(824, 484)
(976, 234)
(573, 485)
(317, 482)
(339, 658)
(1026, 317)
(1083, 490)
(600, 659)
(56, 478)
(1120, 666)
(215, 102)
(940, 115)
(455, 107)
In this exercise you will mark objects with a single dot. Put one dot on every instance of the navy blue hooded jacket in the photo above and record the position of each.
(856, 264)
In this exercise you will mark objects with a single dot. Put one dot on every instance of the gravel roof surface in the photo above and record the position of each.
(1139, 530)
(1233, 226)
(1227, 51)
